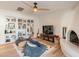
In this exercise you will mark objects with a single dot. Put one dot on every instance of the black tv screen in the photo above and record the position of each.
(48, 29)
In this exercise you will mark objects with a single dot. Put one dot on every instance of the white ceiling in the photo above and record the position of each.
(52, 5)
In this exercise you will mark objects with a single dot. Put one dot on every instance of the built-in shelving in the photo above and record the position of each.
(18, 27)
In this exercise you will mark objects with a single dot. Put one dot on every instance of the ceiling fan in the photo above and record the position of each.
(35, 7)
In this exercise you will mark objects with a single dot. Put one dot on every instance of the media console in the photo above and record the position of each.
(48, 37)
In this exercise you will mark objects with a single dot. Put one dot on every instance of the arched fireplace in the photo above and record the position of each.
(73, 37)
(70, 45)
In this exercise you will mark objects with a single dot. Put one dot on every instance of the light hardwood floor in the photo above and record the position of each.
(8, 50)
(55, 52)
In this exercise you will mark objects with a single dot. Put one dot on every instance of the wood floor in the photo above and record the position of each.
(9, 50)
(56, 49)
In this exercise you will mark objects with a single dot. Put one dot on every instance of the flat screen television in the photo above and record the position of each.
(48, 29)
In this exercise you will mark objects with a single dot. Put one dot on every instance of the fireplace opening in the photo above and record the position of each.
(74, 38)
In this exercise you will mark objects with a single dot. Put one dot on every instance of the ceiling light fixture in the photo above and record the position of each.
(35, 9)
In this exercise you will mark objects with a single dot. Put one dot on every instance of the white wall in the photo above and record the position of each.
(6, 13)
(54, 19)
(70, 19)
(67, 19)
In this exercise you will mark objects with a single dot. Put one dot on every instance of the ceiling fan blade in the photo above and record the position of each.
(42, 9)
(35, 5)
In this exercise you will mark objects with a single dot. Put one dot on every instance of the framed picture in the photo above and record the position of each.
(28, 21)
(32, 21)
(19, 20)
(27, 29)
(19, 25)
(13, 20)
(8, 19)
(24, 26)
(64, 29)
(24, 21)
(11, 25)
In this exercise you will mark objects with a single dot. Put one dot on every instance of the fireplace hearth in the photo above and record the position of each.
(74, 38)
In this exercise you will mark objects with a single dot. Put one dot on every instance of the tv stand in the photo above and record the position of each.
(48, 37)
